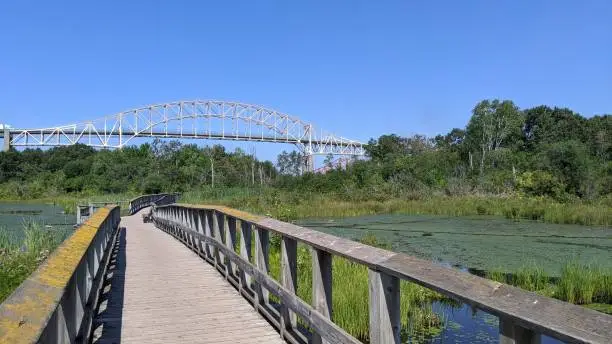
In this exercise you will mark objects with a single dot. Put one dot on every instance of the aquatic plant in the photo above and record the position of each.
(584, 284)
(20, 254)
(350, 294)
(579, 283)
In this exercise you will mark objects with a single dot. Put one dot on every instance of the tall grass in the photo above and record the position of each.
(350, 295)
(22, 251)
(579, 284)
(289, 206)
(584, 284)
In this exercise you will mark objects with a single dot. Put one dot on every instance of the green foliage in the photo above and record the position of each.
(20, 255)
(578, 283)
(350, 296)
(157, 167)
(549, 156)
(536, 183)
(371, 240)
(585, 284)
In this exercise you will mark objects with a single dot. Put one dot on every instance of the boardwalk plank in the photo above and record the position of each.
(161, 292)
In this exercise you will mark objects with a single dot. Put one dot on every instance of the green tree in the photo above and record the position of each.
(493, 125)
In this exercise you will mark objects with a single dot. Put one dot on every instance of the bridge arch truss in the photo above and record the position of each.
(197, 119)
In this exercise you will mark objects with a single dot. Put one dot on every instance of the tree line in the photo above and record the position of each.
(541, 151)
(148, 168)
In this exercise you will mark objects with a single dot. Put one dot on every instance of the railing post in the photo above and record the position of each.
(219, 228)
(511, 333)
(197, 226)
(230, 240)
(245, 252)
(262, 246)
(384, 295)
(321, 286)
(288, 281)
(204, 219)
(216, 234)
(191, 225)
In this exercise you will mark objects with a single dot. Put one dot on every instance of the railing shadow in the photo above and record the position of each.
(107, 324)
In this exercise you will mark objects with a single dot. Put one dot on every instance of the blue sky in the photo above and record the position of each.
(356, 68)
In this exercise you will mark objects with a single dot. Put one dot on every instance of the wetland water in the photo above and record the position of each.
(480, 244)
(14, 215)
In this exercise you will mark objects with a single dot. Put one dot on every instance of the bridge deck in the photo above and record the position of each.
(158, 291)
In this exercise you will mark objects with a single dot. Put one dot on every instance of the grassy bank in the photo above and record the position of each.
(288, 206)
(21, 253)
(291, 205)
(587, 285)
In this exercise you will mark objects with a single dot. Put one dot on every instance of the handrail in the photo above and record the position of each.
(56, 303)
(211, 232)
(140, 202)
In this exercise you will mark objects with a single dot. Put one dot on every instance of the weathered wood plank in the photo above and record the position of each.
(321, 287)
(161, 292)
(262, 255)
(527, 310)
(320, 323)
(288, 281)
(245, 252)
(558, 319)
(384, 297)
(510, 333)
(230, 242)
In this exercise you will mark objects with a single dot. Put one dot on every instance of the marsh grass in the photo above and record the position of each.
(20, 254)
(350, 294)
(288, 206)
(579, 283)
(584, 284)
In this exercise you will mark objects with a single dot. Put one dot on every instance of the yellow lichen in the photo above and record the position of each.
(40, 297)
(239, 214)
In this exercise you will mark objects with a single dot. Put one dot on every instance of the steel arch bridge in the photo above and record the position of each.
(196, 119)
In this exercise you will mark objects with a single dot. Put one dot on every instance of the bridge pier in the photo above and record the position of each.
(7, 140)
(309, 163)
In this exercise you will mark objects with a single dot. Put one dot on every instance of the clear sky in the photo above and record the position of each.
(356, 68)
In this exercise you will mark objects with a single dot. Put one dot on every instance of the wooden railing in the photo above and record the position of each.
(144, 201)
(56, 303)
(211, 231)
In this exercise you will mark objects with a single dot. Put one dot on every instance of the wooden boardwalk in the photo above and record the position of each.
(158, 291)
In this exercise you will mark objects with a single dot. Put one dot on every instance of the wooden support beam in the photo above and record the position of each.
(384, 297)
(207, 225)
(216, 233)
(511, 333)
(262, 248)
(245, 252)
(288, 281)
(321, 287)
(230, 240)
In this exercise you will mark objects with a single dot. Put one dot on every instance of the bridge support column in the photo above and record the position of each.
(7, 140)
(309, 163)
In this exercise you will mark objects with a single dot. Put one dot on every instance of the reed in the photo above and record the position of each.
(350, 295)
(290, 206)
(585, 284)
(579, 283)
(20, 254)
